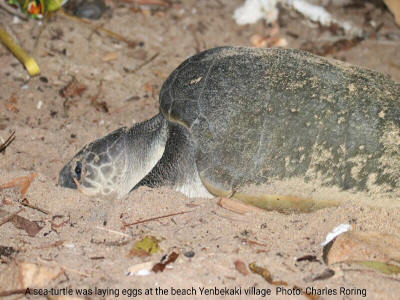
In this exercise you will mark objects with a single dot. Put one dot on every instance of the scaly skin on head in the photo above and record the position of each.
(118, 161)
(99, 166)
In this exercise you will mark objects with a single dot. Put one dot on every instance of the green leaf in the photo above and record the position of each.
(379, 266)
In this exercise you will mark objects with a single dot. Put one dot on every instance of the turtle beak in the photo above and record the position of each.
(65, 179)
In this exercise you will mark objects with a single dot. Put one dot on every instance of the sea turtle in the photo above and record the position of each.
(294, 130)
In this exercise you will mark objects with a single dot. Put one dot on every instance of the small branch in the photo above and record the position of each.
(12, 292)
(147, 2)
(64, 268)
(113, 231)
(153, 219)
(10, 139)
(13, 11)
(107, 32)
(143, 64)
(25, 202)
(51, 245)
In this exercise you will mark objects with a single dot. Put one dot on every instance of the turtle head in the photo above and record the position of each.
(100, 167)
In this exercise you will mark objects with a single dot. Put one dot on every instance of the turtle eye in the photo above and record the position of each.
(78, 170)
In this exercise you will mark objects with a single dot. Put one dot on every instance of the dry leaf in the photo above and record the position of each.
(21, 182)
(236, 206)
(364, 246)
(30, 227)
(72, 89)
(159, 267)
(151, 2)
(382, 267)
(35, 275)
(6, 251)
(148, 88)
(21, 275)
(394, 7)
(110, 56)
(11, 107)
(261, 271)
(145, 247)
(241, 267)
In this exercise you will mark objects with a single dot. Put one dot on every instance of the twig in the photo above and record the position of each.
(51, 245)
(10, 139)
(25, 202)
(197, 46)
(99, 105)
(147, 2)
(154, 219)
(109, 33)
(11, 292)
(21, 182)
(113, 231)
(63, 267)
(10, 217)
(12, 11)
(144, 63)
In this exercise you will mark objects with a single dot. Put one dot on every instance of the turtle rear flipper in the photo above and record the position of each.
(284, 203)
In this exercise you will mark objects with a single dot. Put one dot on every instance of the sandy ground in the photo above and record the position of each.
(84, 236)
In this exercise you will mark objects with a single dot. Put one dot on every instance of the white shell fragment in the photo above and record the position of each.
(254, 10)
(143, 269)
(335, 232)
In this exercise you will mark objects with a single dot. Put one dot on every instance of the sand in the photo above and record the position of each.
(85, 237)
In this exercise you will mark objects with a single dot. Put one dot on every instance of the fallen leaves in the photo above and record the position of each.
(377, 251)
(379, 266)
(272, 39)
(364, 246)
(36, 275)
(21, 275)
(63, 220)
(110, 56)
(30, 227)
(241, 267)
(151, 2)
(22, 182)
(264, 273)
(330, 48)
(268, 277)
(394, 7)
(10, 105)
(237, 206)
(94, 100)
(141, 269)
(73, 89)
(145, 247)
(144, 269)
(148, 88)
(159, 267)
(10, 217)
